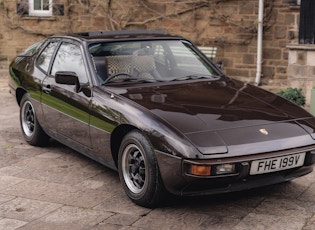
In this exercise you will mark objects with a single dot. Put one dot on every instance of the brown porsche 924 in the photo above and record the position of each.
(153, 107)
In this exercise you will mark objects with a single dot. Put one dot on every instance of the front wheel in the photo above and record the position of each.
(31, 129)
(138, 170)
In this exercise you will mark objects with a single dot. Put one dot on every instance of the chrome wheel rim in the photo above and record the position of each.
(134, 168)
(28, 119)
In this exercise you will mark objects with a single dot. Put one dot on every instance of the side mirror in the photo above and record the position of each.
(71, 78)
(66, 78)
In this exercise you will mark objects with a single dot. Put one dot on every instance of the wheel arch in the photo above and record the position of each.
(19, 94)
(116, 138)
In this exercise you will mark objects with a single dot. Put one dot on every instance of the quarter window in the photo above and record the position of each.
(40, 8)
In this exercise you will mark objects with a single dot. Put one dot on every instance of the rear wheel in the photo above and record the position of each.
(31, 129)
(138, 170)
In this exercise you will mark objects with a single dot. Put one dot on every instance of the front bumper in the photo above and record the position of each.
(177, 182)
(224, 185)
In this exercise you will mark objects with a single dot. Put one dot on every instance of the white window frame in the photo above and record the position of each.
(39, 13)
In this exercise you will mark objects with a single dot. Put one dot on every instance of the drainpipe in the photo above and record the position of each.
(259, 40)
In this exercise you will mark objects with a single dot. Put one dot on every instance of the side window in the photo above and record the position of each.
(69, 58)
(45, 57)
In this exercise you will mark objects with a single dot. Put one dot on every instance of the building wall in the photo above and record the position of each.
(229, 25)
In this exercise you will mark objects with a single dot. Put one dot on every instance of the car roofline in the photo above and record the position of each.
(119, 35)
(122, 32)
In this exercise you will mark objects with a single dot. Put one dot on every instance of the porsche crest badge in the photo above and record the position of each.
(263, 131)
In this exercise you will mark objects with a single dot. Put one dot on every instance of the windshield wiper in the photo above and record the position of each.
(196, 77)
(126, 77)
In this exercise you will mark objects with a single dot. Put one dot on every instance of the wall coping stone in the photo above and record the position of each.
(301, 46)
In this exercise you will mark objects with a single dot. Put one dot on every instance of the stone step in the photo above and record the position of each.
(273, 88)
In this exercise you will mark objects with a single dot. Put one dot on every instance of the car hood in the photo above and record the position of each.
(226, 115)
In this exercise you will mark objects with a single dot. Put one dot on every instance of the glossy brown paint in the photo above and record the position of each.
(194, 121)
(224, 116)
(177, 182)
(66, 112)
(119, 111)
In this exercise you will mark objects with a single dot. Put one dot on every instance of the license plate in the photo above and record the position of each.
(277, 164)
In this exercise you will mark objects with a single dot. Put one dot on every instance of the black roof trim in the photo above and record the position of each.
(122, 32)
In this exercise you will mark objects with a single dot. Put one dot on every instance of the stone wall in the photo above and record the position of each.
(230, 25)
(301, 68)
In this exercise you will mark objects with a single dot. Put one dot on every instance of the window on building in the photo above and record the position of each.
(40, 8)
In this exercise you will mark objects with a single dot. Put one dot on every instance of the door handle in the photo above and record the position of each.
(47, 89)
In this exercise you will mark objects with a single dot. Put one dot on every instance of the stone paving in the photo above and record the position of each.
(57, 188)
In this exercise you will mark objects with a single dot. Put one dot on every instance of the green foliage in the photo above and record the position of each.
(293, 94)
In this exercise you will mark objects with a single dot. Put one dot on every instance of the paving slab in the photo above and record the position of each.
(27, 210)
(11, 224)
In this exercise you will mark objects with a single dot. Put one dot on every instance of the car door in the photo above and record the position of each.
(65, 110)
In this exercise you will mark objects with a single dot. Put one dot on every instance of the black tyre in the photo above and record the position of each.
(138, 170)
(31, 129)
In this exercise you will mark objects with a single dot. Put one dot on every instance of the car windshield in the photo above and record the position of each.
(149, 61)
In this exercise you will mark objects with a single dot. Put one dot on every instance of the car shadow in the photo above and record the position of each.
(245, 196)
(251, 196)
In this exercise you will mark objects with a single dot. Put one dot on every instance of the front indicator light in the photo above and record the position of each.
(200, 170)
(225, 169)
